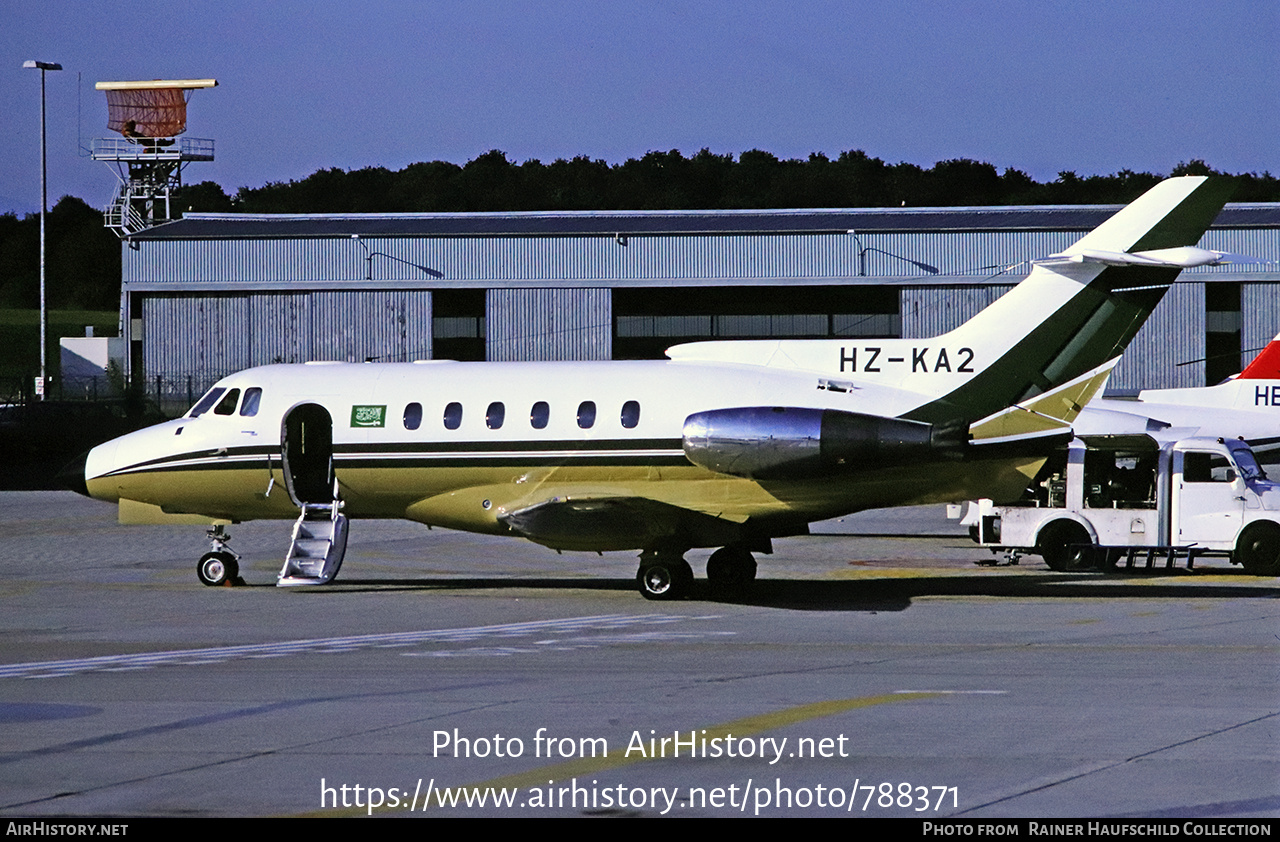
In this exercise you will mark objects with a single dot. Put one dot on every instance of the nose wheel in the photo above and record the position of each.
(221, 565)
(216, 569)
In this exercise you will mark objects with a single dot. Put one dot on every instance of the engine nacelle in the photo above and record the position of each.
(779, 441)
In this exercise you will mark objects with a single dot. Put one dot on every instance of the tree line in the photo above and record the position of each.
(84, 257)
(671, 181)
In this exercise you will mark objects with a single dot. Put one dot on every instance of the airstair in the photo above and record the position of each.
(319, 543)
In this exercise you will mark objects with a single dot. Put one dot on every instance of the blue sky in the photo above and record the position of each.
(1085, 86)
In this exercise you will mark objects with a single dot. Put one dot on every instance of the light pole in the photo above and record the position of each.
(42, 66)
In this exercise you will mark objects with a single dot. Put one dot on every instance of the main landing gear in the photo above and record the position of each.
(731, 567)
(664, 574)
(221, 565)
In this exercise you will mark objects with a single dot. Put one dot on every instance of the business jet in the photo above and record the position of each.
(725, 444)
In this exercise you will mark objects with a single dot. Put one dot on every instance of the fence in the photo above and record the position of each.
(169, 395)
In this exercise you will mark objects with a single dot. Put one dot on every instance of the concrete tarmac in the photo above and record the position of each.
(867, 674)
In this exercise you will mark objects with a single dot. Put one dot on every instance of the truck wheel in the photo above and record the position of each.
(1065, 546)
(1258, 550)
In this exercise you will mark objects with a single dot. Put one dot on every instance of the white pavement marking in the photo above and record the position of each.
(189, 657)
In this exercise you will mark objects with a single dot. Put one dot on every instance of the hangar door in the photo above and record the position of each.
(189, 341)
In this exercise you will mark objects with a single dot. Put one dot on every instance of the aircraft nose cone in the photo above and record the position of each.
(72, 475)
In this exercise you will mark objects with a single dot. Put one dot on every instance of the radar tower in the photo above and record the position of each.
(148, 157)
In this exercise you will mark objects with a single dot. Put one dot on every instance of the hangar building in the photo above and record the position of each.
(210, 294)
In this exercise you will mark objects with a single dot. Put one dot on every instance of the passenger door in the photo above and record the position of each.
(306, 446)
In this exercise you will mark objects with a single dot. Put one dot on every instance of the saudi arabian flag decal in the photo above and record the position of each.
(369, 416)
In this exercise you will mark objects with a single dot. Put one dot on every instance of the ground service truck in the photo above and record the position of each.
(1140, 500)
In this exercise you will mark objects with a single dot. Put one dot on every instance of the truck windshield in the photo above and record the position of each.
(1249, 467)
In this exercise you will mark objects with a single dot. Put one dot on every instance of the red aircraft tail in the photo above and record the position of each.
(1265, 366)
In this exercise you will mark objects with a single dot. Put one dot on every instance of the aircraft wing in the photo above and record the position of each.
(589, 523)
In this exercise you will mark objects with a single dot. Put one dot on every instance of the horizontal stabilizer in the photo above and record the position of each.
(1182, 257)
(1047, 414)
(1172, 215)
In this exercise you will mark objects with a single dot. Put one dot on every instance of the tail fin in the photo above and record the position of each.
(1265, 366)
(1075, 312)
(1080, 308)
(1176, 212)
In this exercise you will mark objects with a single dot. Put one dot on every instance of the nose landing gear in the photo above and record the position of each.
(221, 565)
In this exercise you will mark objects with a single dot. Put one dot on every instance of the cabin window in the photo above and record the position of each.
(631, 414)
(539, 415)
(413, 416)
(252, 397)
(494, 415)
(453, 416)
(227, 406)
(209, 399)
(587, 414)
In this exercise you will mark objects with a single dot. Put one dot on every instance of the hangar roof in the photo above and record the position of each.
(201, 226)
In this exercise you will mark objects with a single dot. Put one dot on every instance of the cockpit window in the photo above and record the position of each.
(227, 406)
(252, 397)
(209, 399)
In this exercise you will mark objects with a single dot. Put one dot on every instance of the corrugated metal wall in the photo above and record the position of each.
(385, 326)
(1169, 350)
(578, 261)
(198, 336)
(279, 328)
(1260, 318)
(587, 261)
(929, 311)
(549, 297)
(210, 336)
(961, 253)
(549, 324)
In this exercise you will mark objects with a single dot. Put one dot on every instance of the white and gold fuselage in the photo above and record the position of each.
(470, 472)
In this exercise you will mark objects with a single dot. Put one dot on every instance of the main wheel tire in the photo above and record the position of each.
(1065, 546)
(217, 569)
(731, 567)
(1258, 550)
(665, 580)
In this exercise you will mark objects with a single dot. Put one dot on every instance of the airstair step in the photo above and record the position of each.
(318, 546)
